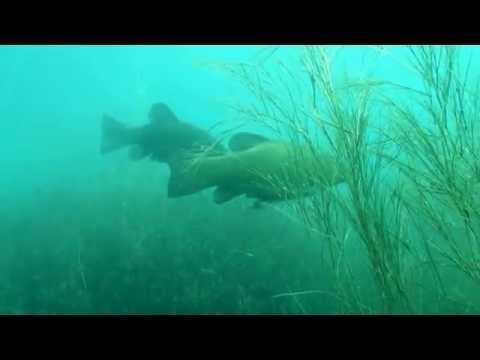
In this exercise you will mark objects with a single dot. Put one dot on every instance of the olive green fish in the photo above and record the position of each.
(256, 167)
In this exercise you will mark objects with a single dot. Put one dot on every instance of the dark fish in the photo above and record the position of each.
(160, 139)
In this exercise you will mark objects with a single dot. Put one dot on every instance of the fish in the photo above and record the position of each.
(160, 139)
(256, 167)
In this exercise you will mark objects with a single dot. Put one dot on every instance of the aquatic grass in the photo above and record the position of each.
(373, 213)
(305, 105)
(440, 141)
(118, 245)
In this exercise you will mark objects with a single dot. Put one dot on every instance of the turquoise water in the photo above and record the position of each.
(85, 233)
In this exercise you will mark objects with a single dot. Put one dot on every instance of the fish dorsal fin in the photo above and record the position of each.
(244, 141)
(161, 113)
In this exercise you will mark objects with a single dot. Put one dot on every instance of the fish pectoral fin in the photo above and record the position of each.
(244, 141)
(224, 194)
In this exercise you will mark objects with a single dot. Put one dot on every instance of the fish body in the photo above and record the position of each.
(256, 167)
(160, 139)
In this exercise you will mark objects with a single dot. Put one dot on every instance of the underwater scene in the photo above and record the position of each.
(229, 179)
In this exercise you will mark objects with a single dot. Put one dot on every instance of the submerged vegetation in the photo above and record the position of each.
(401, 234)
(407, 218)
(120, 246)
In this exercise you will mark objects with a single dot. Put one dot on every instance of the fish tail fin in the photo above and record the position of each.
(183, 180)
(115, 135)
